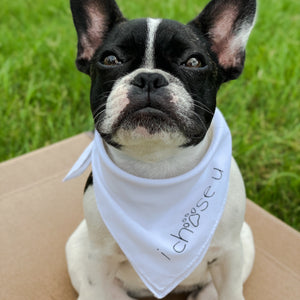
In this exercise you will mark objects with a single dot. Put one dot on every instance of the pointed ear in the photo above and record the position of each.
(227, 25)
(92, 19)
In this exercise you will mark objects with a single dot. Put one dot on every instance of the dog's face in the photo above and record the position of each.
(157, 80)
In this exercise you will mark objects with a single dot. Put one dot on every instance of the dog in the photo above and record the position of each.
(153, 98)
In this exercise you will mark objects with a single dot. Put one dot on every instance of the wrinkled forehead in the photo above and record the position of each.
(144, 37)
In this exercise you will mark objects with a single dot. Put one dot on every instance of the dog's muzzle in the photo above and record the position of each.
(149, 104)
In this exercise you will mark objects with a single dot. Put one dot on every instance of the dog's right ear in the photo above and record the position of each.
(93, 19)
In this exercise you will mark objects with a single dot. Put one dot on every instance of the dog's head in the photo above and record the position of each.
(156, 80)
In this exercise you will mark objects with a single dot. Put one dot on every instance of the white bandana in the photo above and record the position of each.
(163, 226)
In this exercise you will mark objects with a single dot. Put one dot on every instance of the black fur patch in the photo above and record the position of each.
(212, 261)
(89, 182)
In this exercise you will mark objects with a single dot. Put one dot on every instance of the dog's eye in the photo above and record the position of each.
(194, 62)
(197, 61)
(111, 60)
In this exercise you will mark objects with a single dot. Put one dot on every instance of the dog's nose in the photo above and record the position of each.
(149, 81)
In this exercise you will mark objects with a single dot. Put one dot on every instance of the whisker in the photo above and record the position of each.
(201, 121)
(98, 117)
(99, 110)
(201, 105)
(204, 108)
(102, 96)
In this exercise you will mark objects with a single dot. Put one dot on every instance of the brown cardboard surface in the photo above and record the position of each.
(38, 213)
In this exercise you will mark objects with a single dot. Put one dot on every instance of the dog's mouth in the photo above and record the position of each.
(149, 111)
(151, 119)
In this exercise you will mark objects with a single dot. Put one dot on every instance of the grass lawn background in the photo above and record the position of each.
(44, 99)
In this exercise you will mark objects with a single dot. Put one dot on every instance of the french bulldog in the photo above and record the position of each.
(153, 98)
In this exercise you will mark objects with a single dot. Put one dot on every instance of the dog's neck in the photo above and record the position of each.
(157, 162)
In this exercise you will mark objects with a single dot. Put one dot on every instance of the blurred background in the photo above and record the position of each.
(44, 99)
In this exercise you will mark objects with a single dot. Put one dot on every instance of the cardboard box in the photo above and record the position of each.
(38, 213)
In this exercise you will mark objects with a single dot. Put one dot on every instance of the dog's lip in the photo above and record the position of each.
(149, 110)
(144, 116)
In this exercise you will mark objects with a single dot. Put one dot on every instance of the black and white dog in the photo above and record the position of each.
(153, 98)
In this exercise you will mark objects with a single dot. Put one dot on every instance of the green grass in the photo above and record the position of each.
(43, 99)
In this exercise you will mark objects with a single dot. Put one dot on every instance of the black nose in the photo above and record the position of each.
(149, 81)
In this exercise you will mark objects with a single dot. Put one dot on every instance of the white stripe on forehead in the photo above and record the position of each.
(152, 25)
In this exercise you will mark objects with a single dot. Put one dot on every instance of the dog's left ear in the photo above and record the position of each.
(93, 19)
(227, 25)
